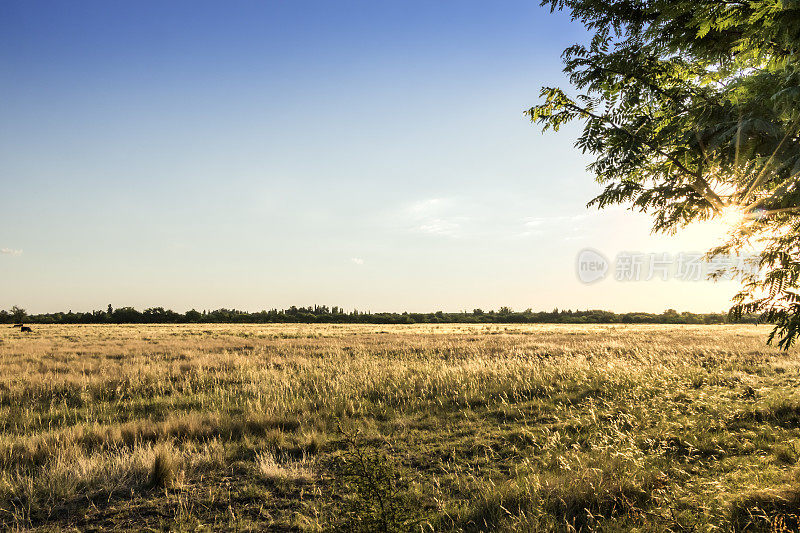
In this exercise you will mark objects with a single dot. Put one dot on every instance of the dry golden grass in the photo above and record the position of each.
(502, 427)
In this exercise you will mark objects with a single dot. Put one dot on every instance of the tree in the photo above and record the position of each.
(18, 314)
(691, 111)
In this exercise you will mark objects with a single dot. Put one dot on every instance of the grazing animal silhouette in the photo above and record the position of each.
(17, 326)
(25, 329)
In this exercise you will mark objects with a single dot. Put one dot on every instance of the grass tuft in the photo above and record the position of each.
(164, 474)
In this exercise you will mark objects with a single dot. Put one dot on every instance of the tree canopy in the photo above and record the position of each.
(691, 110)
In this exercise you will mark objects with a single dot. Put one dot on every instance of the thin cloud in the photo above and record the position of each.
(10, 251)
(429, 205)
(533, 222)
(439, 226)
(466, 218)
(436, 216)
(357, 260)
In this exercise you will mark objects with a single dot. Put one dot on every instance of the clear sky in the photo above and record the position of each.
(372, 155)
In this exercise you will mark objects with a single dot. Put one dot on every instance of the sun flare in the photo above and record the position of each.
(732, 217)
(718, 229)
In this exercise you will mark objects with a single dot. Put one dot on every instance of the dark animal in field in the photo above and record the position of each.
(17, 326)
(25, 329)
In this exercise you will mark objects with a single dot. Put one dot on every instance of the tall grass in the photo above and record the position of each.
(550, 427)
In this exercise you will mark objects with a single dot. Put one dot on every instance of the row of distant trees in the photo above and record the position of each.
(325, 314)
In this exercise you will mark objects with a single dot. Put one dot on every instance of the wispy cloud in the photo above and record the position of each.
(10, 251)
(428, 205)
(436, 216)
(439, 226)
(467, 218)
(357, 260)
(567, 227)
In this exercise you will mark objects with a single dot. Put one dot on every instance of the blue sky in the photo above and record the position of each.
(372, 155)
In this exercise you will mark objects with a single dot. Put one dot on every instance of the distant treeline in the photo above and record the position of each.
(336, 315)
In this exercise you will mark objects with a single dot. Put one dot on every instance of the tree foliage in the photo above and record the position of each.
(691, 110)
(18, 314)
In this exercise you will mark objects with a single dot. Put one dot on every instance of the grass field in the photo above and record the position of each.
(417, 428)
